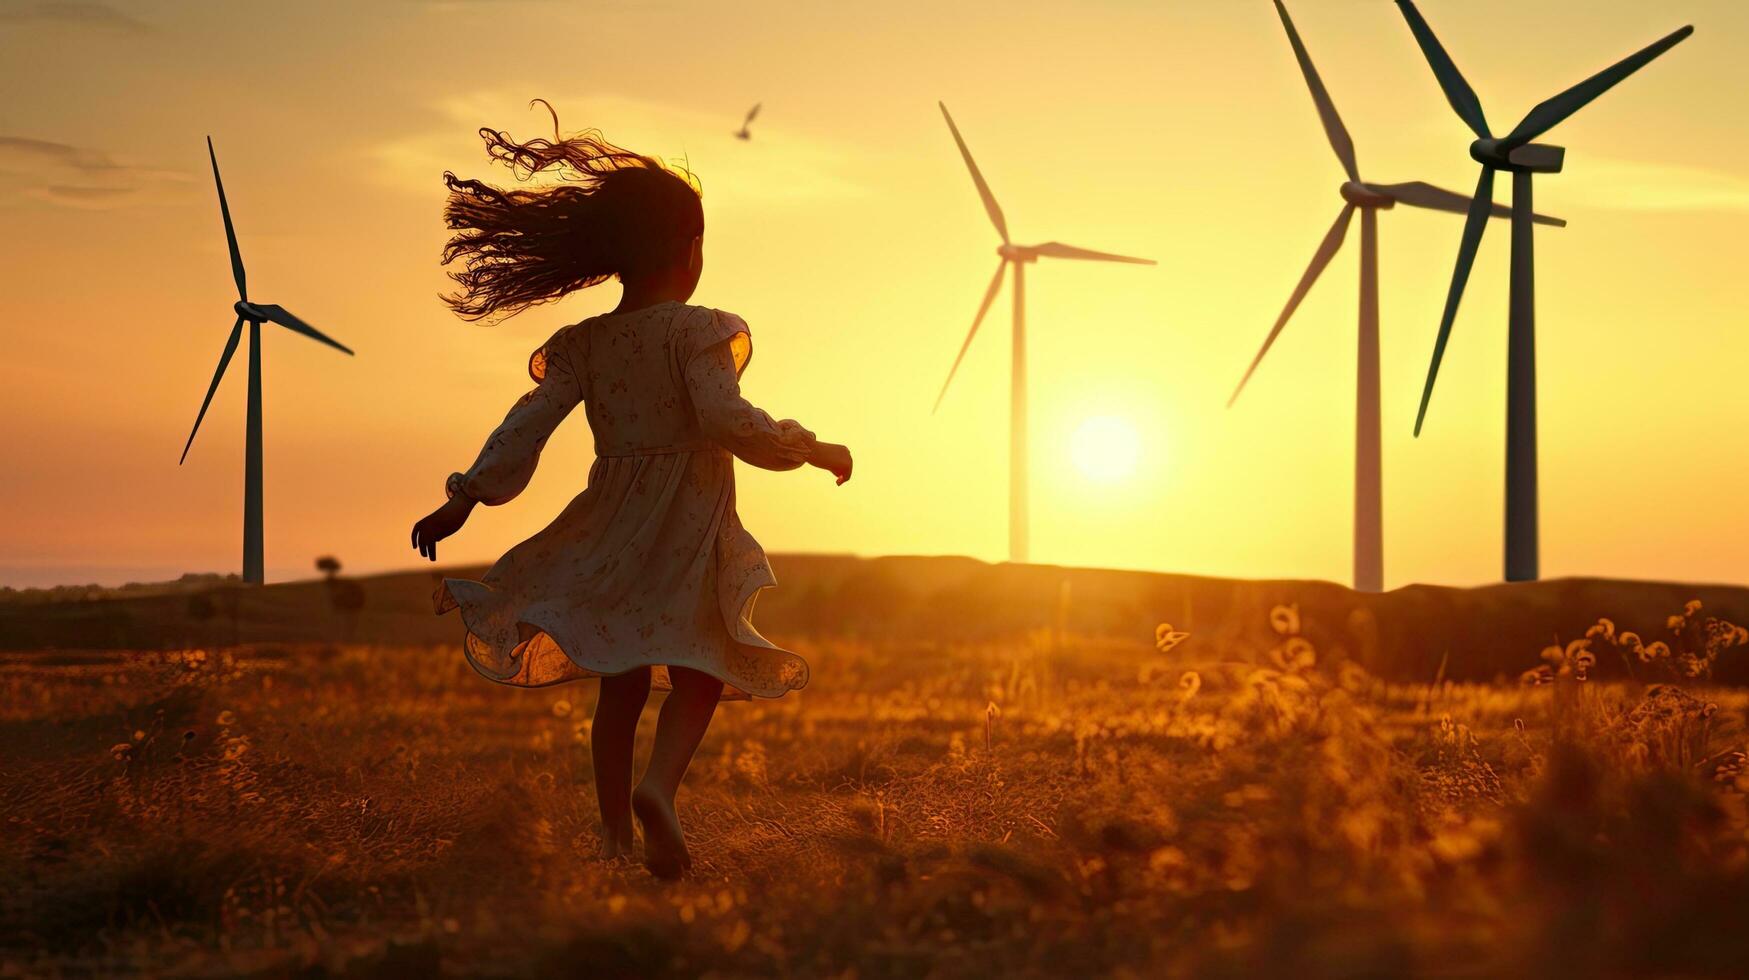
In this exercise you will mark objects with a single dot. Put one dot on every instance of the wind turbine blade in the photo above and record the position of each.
(1327, 250)
(983, 308)
(1423, 195)
(1340, 141)
(224, 361)
(283, 317)
(990, 205)
(1474, 225)
(1457, 91)
(752, 114)
(230, 232)
(1549, 113)
(1057, 250)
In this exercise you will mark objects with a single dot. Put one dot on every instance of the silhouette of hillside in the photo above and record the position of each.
(1479, 633)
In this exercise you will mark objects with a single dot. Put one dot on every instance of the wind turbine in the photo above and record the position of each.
(1516, 154)
(255, 314)
(1368, 199)
(1018, 256)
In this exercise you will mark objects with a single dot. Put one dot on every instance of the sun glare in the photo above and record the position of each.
(1105, 448)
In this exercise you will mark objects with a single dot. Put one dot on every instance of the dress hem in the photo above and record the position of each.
(741, 633)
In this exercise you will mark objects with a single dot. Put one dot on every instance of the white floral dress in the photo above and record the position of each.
(649, 565)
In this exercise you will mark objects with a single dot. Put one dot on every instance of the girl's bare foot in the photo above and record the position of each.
(664, 844)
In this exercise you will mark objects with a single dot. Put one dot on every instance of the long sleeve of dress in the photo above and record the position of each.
(507, 461)
(726, 418)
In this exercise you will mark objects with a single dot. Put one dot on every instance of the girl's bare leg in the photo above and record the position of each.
(611, 736)
(681, 726)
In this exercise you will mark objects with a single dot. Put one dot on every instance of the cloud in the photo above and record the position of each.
(58, 154)
(95, 16)
(778, 166)
(80, 177)
(1628, 185)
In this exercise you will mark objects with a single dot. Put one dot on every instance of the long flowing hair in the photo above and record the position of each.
(615, 213)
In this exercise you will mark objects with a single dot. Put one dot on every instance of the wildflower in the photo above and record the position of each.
(1582, 662)
(1295, 655)
(1189, 683)
(1165, 637)
(1538, 676)
(1285, 620)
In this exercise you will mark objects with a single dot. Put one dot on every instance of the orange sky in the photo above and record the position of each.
(848, 235)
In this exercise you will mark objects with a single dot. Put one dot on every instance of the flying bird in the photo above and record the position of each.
(753, 113)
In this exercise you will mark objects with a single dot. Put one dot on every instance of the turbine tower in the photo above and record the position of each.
(1018, 256)
(255, 314)
(1368, 199)
(1517, 155)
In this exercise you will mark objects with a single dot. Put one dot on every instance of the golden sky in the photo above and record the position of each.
(849, 236)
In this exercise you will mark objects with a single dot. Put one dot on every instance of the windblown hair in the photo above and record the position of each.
(617, 213)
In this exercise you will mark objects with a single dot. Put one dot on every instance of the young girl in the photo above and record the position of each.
(648, 578)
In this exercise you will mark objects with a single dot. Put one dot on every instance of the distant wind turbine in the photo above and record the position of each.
(1018, 256)
(1369, 199)
(255, 314)
(1516, 154)
(752, 114)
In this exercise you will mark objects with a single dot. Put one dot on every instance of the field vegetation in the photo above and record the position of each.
(1043, 804)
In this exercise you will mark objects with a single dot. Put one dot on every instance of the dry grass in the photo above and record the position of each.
(1017, 809)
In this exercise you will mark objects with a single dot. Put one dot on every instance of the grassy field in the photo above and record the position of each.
(1036, 806)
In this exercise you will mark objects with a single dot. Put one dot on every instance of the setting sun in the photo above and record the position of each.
(1105, 448)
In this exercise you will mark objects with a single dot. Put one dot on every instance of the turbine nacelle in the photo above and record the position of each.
(1017, 253)
(248, 311)
(1540, 158)
(1362, 196)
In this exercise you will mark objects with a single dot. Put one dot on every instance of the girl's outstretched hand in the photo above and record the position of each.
(440, 524)
(832, 458)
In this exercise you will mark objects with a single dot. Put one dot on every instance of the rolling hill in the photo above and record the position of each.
(1408, 633)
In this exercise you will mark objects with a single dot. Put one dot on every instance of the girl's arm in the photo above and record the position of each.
(507, 461)
(512, 452)
(729, 420)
